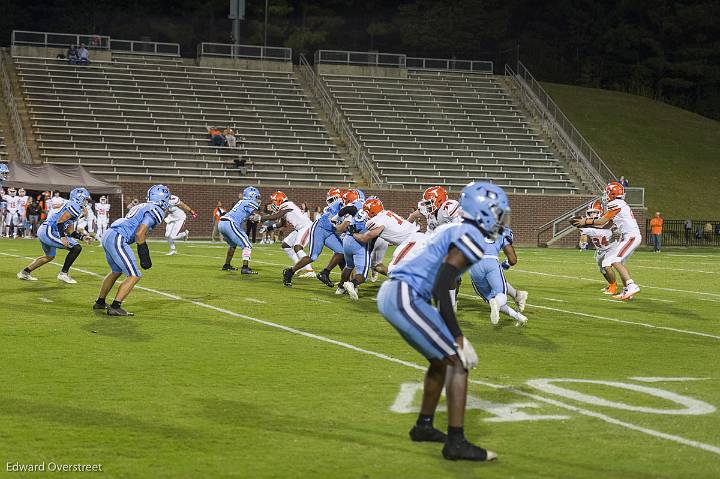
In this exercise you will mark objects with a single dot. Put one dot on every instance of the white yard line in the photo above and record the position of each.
(45, 300)
(685, 270)
(253, 300)
(664, 379)
(578, 410)
(556, 300)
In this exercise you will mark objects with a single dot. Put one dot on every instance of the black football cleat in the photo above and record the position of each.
(118, 312)
(466, 451)
(229, 267)
(427, 434)
(287, 276)
(247, 270)
(325, 278)
(98, 306)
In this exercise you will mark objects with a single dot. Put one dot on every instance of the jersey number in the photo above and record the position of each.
(600, 242)
(395, 217)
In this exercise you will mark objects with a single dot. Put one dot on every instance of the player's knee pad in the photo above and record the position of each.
(246, 253)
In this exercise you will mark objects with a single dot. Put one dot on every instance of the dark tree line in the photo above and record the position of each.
(668, 50)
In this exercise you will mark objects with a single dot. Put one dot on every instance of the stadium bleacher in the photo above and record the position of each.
(3, 147)
(444, 127)
(144, 118)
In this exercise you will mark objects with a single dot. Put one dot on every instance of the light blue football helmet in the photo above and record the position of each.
(251, 193)
(361, 194)
(486, 206)
(79, 196)
(4, 171)
(159, 195)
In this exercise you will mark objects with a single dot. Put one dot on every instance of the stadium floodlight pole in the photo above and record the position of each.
(266, 23)
(237, 13)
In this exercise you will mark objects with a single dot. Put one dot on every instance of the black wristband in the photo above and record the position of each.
(76, 235)
(444, 282)
(144, 254)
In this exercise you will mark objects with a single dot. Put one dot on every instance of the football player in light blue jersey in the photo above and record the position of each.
(322, 233)
(357, 255)
(58, 231)
(230, 226)
(133, 228)
(489, 281)
(4, 172)
(405, 302)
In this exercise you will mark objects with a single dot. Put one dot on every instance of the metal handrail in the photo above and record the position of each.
(15, 123)
(586, 156)
(229, 50)
(356, 152)
(52, 39)
(344, 57)
(449, 64)
(142, 47)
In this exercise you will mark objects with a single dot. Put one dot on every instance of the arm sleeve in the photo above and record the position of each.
(444, 282)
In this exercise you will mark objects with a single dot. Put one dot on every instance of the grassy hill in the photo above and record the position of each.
(673, 153)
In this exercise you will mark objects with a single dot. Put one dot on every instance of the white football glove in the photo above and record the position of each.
(466, 353)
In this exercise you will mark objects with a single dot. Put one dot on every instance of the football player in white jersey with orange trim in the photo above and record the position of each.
(603, 239)
(175, 219)
(293, 244)
(618, 212)
(436, 208)
(386, 225)
(102, 212)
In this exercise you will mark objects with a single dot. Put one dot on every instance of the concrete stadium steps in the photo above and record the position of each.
(131, 119)
(447, 128)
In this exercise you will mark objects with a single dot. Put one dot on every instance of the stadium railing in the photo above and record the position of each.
(675, 234)
(357, 154)
(49, 39)
(15, 122)
(229, 50)
(449, 64)
(585, 155)
(147, 48)
(341, 57)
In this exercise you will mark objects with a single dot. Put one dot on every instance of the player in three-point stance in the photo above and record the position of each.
(603, 240)
(58, 232)
(618, 212)
(293, 244)
(133, 228)
(322, 234)
(357, 255)
(406, 302)
(230, 226)
(489, 281)
(175, 219)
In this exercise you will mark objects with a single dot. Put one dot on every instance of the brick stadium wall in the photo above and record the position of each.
(528, 211)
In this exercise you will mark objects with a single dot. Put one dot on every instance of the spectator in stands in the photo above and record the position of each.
(623, 181)
(688, 231)
(72, 55)
(304, 209)
(83, 55)
(230, 138)
(656, 227)
(217, 213)
(318, 213)
(33, 215)
(216, 137)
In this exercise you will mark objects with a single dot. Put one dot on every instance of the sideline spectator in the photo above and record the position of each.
(656, 227)
(216, 136)
(708, 231)
(688, 231)
(33, 215)
(318, 213)
(83, 55)
(230, 138)
(623, 181)
(304, 209)
(217, 213)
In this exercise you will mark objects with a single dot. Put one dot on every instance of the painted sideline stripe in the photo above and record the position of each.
(663, 379)
(601, 281)
(556, 300)
(614, 320)
(554, 402)
(676, 269)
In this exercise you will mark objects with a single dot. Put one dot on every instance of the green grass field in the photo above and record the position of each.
(655, 145)
(220, 375)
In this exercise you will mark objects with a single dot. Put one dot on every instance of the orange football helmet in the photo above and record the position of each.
(332, 195)
(373, 206)
(594, 210)
(433, 198)
(614, 190)
(349, 196)
(277, 199)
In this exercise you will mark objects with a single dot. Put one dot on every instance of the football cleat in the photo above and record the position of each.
(187, 235)
(118, 312)
(247, 270)
(351, 289)
(521, 300)
(229, 267)
(340, 290)
(171, 252)
(427, 434)
(65, 278)
(324, 277)
(521, 320)
(465, 450)
(374, 276)
(308, 273)
(631, 290)
(494, 311)
(97, 307)
(26, 276)
(610, 289)
(287, 276)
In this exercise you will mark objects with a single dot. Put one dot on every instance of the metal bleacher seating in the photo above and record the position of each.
(439, 127)
(3, 148)
(141, 118)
